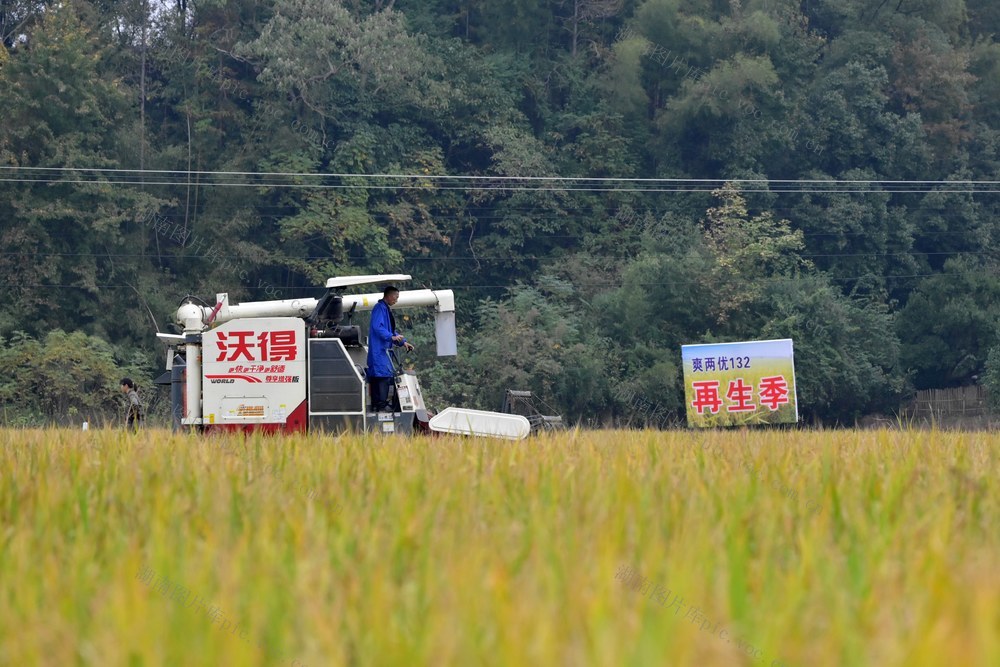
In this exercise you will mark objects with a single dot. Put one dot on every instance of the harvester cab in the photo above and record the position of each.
(295, 365)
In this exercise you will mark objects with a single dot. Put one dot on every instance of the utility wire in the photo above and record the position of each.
(487, 177)
(488, 183)
(436, 188)
(459, 258)
(600, 284)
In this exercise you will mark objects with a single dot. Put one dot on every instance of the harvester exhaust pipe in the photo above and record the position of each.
(191, 315)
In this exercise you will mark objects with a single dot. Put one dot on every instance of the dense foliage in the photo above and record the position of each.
(802, 124)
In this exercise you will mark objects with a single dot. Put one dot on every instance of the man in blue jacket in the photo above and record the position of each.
(382, 336)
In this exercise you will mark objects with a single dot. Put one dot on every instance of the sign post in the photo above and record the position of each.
(736, 384)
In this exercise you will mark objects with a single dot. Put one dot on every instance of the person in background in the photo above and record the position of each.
(382, 336)
(133, 409)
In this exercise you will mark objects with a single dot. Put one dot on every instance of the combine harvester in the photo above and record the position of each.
(292, 366)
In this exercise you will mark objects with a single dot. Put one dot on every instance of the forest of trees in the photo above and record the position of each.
(650, 173)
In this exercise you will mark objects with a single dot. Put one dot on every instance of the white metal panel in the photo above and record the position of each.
(350, 281)
(444, 334)
(411, 398)
(254, 370)
(463, 421)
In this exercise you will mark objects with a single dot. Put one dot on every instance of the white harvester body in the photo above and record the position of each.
(291, 366)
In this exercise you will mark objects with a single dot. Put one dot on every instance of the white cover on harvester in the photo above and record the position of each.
(463, 421)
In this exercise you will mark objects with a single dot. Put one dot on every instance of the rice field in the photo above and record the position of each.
(584, 548)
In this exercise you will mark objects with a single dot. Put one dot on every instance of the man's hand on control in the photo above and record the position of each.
(409, 348)
(397, 339)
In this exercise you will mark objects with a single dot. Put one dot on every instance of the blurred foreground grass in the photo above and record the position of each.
(777, 548)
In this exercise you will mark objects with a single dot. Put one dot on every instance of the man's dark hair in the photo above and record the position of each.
(128, 383)
(389, 290)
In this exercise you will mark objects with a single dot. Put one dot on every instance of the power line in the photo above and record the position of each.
(304, 186)
(604, 284)
(420, 258)
(433, 182)
(721, 181)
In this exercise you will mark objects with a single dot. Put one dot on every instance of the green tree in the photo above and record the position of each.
(65, 233)
(991, 377)
(950, 323)
(846, 351)
(852, 90)
(65, 378)
(749, 253)
(984, 17)
(860, 237)
(531, 340)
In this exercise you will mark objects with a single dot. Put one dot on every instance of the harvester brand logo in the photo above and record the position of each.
(229, 379)
(250, 411)
(271, 346)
